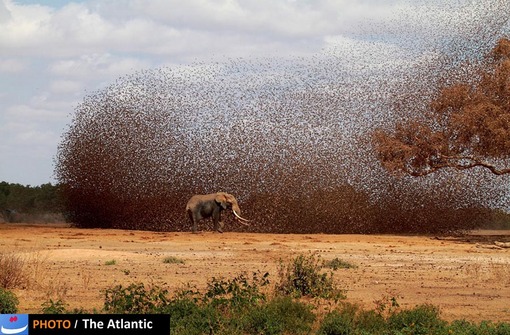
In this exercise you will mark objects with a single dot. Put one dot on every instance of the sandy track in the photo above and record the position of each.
(466, 280)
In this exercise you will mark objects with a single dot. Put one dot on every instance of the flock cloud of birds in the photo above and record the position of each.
(290, 138)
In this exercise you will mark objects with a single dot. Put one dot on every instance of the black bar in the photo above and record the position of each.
(97, 324)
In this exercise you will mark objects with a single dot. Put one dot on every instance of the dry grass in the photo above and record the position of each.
(13, 274)
(57, 288)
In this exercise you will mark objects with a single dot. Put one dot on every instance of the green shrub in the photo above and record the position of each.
(8, 302)
(59, 307)
(238, 292)
(462, 327)
(350, 319)
(387, 305)
(370, 322)
(135, 299)
(54, 307)
(303, 277)
(172, 260)
(281, 315)
(337, 323)
(190, 317)
(336, 263)
(423, 319)
(238, 306)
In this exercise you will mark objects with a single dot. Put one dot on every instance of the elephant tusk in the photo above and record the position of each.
(243, 223)
(241, 219)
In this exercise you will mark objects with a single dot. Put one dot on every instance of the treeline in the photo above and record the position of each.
(30, 203)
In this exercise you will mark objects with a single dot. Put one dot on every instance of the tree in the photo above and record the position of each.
(467, 126)
(30, 199)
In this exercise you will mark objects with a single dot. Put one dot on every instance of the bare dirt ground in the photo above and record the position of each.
(467, 278)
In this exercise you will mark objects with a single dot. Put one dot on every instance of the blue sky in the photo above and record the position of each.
(53, 52)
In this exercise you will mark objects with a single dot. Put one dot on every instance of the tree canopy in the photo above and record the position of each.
(467, 125)
(29, 203)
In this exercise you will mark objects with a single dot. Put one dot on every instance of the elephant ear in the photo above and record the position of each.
(221, 199)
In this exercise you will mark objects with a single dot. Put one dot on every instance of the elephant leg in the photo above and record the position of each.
(193, 222)
(218, 225)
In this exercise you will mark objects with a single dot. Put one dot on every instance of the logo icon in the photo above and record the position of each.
(13, 324)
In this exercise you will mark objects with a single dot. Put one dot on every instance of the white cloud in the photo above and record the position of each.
(96, 67)
(28, 147)
(5, 14)
(25, 114)
(52, 55)
(173, 28)
(11, 65)
(61, 86)
(30, 136)
(24, 26)
(187, 30)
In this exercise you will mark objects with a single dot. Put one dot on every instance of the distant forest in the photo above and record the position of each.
(19, 203)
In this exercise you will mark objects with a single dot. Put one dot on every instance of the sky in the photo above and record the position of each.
(55, 52)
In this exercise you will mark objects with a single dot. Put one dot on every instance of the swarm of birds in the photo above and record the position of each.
(290, 138)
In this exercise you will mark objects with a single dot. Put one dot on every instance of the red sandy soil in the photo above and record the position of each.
(467, 278)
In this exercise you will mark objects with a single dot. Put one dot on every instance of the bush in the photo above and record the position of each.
(303, 277)
(190, 317)
(172, 260)
(238, 292)
(337, 323)
(54, 307)
(423, 319)
(336, 263)
(13, 271)
(135, 299)
(282, 315)
(351, 320)
(237, 306)
(8, 302)
(462, 327)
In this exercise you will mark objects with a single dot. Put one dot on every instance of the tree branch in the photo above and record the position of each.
(457, 162)
(473, 162)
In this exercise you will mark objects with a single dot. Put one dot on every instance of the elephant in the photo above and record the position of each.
(202, 206)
